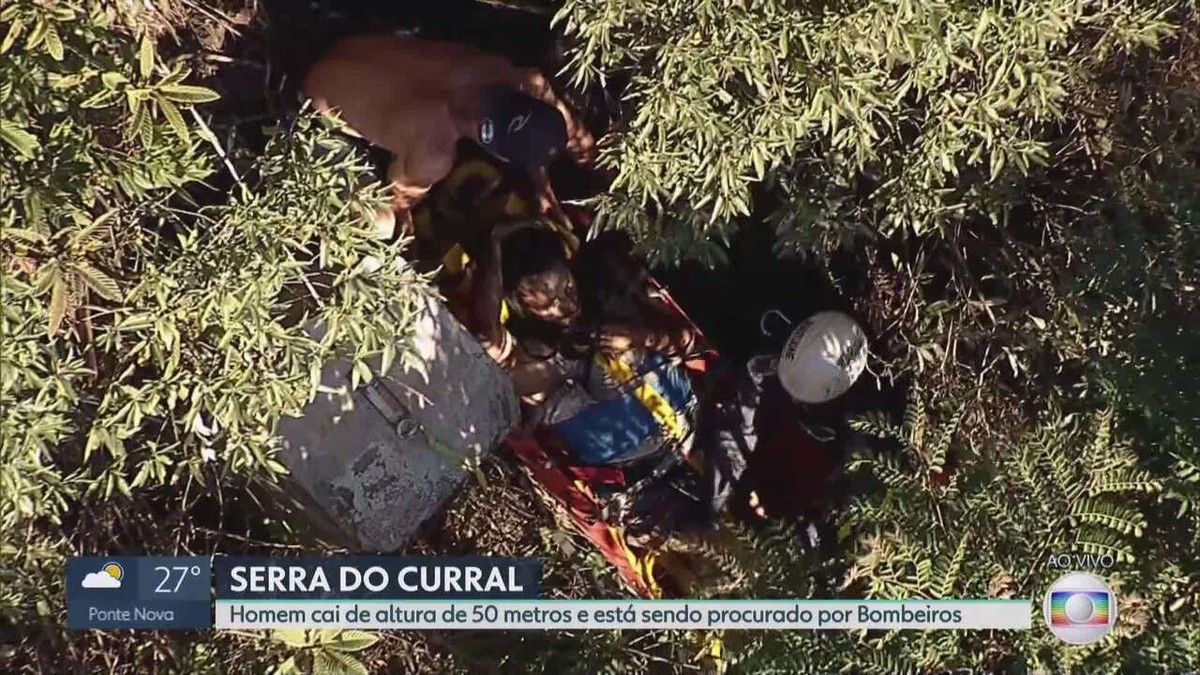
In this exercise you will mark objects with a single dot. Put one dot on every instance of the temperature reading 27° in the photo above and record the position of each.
(174, 575)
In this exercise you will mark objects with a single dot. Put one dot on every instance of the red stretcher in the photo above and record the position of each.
(579, 491)
(790, 467)
(474, 195)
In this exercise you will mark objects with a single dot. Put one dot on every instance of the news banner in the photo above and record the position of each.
(446, 593)
(483, 593)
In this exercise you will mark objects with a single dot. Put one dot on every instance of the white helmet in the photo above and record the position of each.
(823, 357)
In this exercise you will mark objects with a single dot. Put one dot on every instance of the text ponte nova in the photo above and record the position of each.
(411, 579)
(125, 614)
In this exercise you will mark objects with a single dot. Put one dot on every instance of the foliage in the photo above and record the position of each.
(154, 329)
(1012, 189)
(927, 109)
(940, 518)
(1146, 295)
(327, 652)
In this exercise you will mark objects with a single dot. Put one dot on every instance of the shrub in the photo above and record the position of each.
(862, 117)
(156, 326)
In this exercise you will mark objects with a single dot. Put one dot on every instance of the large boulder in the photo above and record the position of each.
(381, 459)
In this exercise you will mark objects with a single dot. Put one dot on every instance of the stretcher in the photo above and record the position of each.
(595, 500)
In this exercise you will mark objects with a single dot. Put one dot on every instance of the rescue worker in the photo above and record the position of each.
(419, 98)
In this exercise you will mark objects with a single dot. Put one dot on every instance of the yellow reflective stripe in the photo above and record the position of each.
(514, 206)
(651, 399)
(648, 573)
(455, 260)
(643, 566)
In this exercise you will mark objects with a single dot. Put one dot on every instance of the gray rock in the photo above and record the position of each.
(380, 460)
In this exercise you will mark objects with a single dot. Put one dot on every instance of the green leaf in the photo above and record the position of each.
(146, 55)
(101, 99)
(292, 637)
(175, 119)
(186, 93)
(360, 372)
(36, 35)
(21, 140)
(47, 275)
(951, 575)
(54, 44)
(328, 662)
(135, 322)
(25, 235)
(979, 29)
(288, 667)
(137, 115)
(10, 38)
(92, 230)
(112, 79)
(997, 163)
(146, 128)
(58, 305)
(352, 640)
(99, 282)
(35, 214)
(63, 82)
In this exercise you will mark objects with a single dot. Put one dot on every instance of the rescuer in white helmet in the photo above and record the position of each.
(823, 356)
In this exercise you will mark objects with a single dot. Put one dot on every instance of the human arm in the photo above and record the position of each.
(731, 438)
(551, 209)
(669, 341)
(418, 163)
(531, 376)
(487, 299)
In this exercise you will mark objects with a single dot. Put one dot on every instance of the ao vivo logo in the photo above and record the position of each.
(1080, 561)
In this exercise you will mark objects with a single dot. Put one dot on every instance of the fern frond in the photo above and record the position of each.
(1102, 440)
(1105, 543)
(1124, 481)
(1117, 518)
(950, 575)
(915, 419)
(924, 573)
(1186, 470)
(935, 458)
(876, 423)
(893, 477)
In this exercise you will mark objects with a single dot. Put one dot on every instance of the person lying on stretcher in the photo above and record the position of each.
(611, 390)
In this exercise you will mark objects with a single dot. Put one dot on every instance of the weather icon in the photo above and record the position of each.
(109, 576)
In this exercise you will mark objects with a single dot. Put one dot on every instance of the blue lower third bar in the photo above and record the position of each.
(145, 592)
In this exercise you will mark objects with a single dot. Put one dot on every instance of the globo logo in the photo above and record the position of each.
(1080, 608)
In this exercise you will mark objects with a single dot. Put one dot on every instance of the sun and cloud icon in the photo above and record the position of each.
(109, 576)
